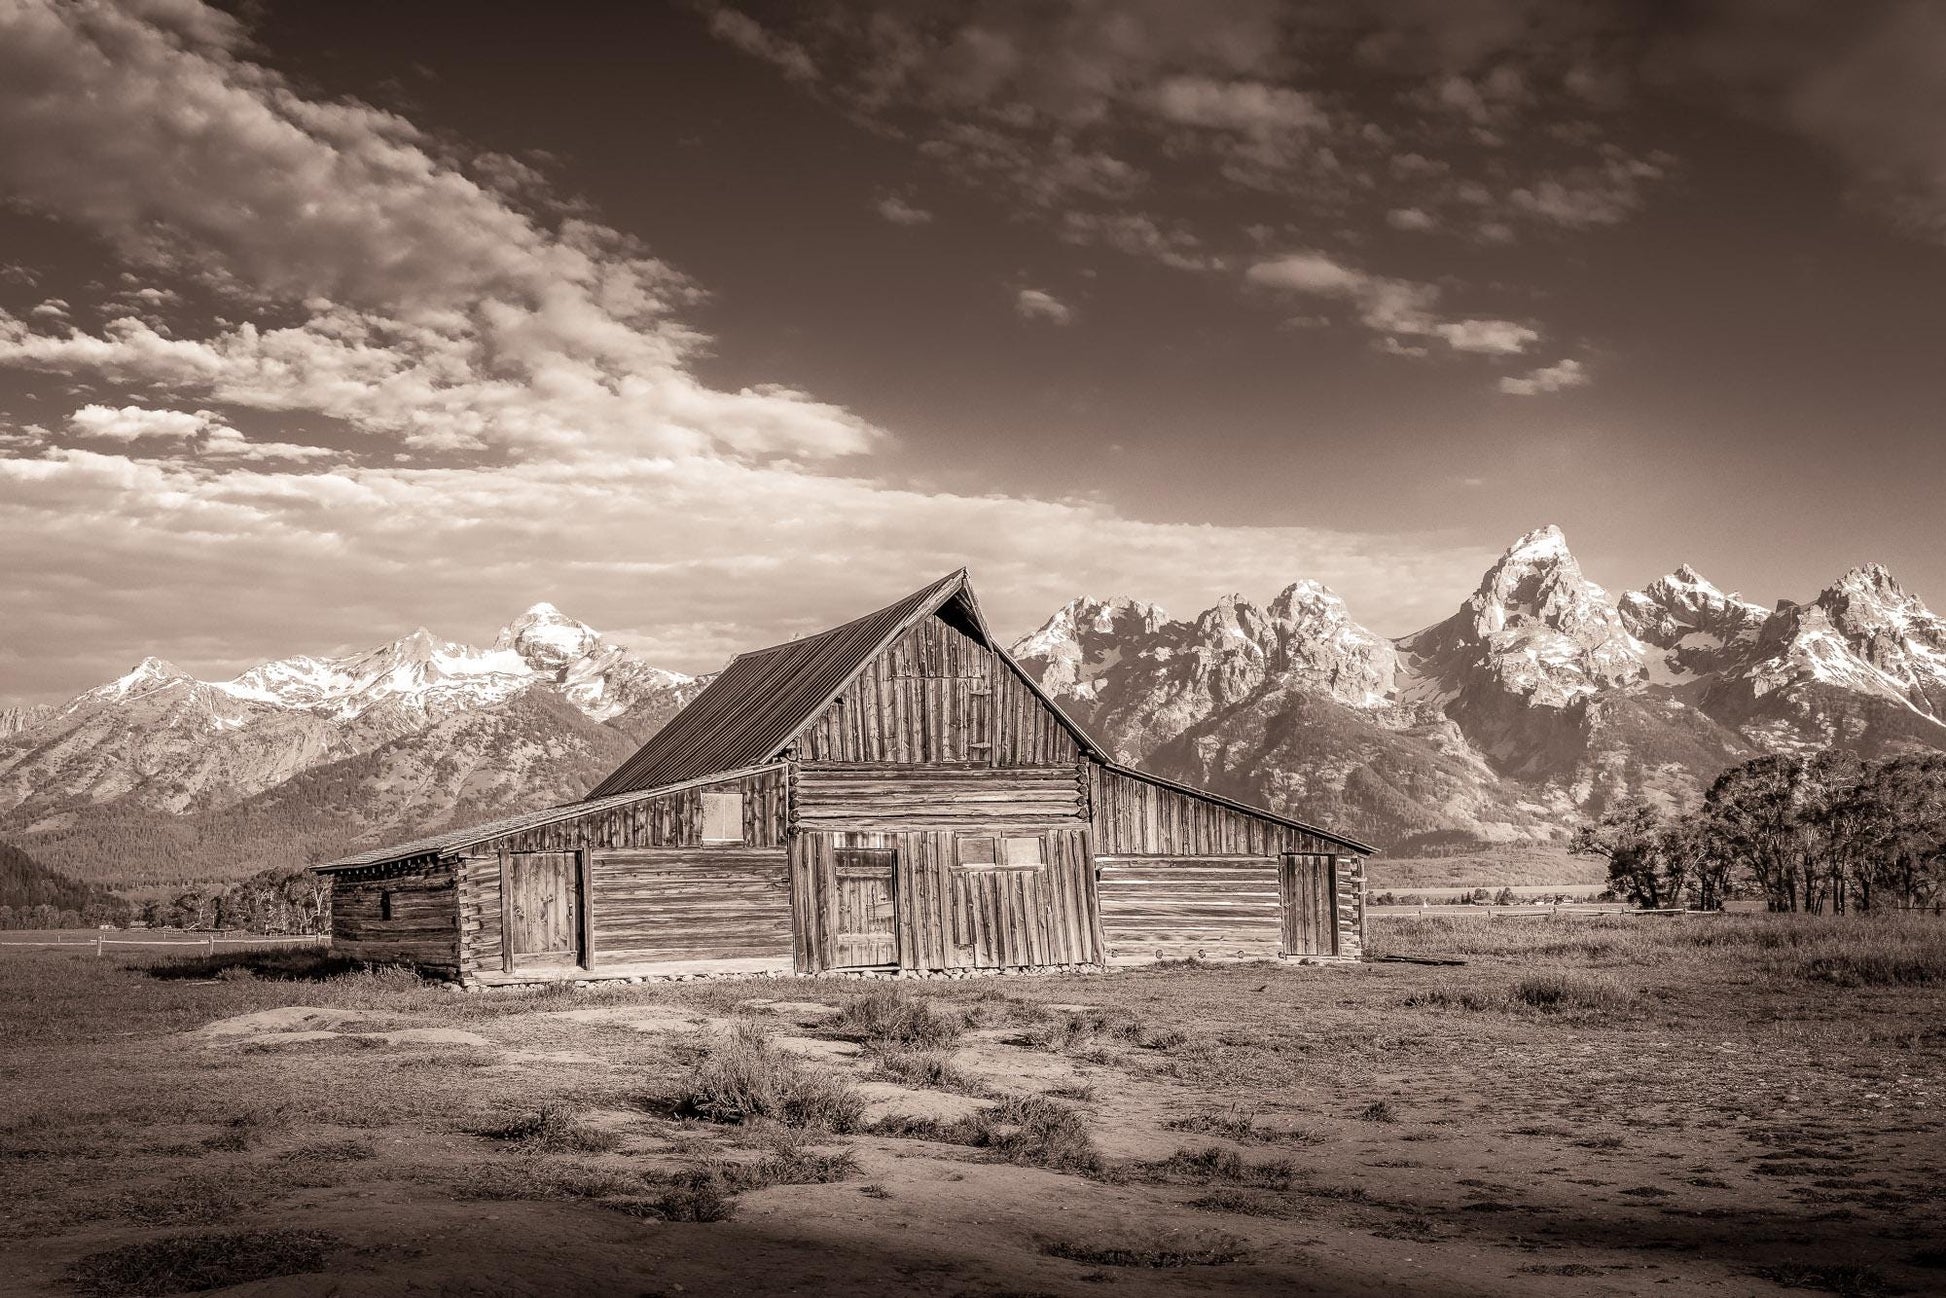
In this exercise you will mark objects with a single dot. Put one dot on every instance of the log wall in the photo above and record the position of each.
(939, 696)
(423, 928)
(709, 903)
(827, 795)
(1134, 817)
(1184, 876)
(671, 821)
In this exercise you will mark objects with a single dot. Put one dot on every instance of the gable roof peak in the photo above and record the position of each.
(759, 703)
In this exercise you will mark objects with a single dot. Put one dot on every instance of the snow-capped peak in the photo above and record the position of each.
(547, 639)
(151, 671)
(1538, 628)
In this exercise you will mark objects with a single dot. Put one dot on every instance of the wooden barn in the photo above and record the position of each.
(892, 794)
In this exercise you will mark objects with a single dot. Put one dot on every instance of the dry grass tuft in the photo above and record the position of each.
(743, 1078)
(182, 1263)
(1168, 1252)
(1217, 1166)
(1077, 1030)
(545, 1179)
(331, 1151)
(1245, 1203)
(1553, 992)
(1234, 1124)
(708, 1192)
(894, 1019)
(1845, 1280)
(1030, 1131)
(926, 1068)
(552, 1129)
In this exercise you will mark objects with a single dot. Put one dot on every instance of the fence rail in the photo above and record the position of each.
(207, 945)
(1487, 911)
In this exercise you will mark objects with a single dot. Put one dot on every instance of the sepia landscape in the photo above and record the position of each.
(1250, 647)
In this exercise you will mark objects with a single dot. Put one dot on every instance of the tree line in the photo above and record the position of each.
(1824, 833)
(270, 901)
(33, 896)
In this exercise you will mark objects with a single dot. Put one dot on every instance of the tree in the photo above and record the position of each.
(1650, 857)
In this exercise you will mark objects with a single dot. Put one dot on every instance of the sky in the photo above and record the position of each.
(713, 325)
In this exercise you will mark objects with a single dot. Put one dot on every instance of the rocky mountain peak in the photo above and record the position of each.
(147, 674)
(1536, 629)
(547, 639)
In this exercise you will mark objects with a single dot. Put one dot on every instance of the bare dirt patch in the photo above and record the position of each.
(1584, 1107)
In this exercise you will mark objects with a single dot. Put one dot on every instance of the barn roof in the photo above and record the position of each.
(453, 840)
(760, 702)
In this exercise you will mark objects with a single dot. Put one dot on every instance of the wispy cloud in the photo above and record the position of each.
(1552, 378)
(1394, 307)
(894, 208)
(1038, 304)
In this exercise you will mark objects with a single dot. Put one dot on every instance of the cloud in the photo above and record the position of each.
(133, 423)
(1138, 235)
(1035, 304)
(1410, 218)
(898, 211)
(1607, 194)
(113, 557)
(753, 38)
(1553, 378)
(514, 378)
(1388, 306)
(201, 431)
(430, 307)
(1247, 106)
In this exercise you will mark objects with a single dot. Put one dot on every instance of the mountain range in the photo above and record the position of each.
(1540, 700)
(157, 777)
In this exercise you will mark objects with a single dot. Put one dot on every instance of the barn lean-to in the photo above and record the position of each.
(892, 794)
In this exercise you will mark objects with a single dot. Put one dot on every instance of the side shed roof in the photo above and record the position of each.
(453, 840)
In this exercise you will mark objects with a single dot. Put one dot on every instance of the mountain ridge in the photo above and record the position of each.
(1539, 700)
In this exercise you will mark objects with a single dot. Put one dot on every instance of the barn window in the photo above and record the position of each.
(722, 817)
(985, 852)
(385, 904)
(1020, 851)
(977, 849)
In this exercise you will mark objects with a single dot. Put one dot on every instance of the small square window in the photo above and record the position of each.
(1020, 851)
(385, 904)
(976, 849)
(722, 817)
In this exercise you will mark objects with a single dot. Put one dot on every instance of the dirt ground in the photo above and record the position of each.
(1583, 1107)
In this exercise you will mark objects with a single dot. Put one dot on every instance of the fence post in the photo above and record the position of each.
(209, 944)
(97, 944)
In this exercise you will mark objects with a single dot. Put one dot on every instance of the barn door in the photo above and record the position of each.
(864, 922)
(1310, 889)
(540, 913)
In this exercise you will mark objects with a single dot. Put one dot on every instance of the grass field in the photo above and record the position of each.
(1734, 1106)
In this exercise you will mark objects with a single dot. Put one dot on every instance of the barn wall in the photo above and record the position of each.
(1182, 876)
(954, 917)
(423, 929)
(706, 903)
(937, 696)
(1134, 817)
(866, 797)
(671, 821)
(1158, 907)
